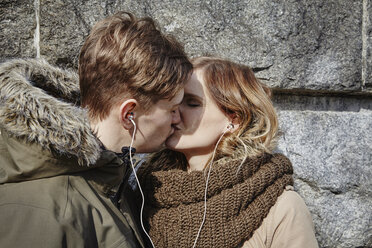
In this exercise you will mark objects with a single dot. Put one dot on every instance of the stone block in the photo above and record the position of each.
(66, 24)
(329, 142)
(368, 44)
(341, 220)
(17, 29)
(309, 45)
(290, 44)
(62, 31)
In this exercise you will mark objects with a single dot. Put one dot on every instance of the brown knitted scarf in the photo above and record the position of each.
(236, 206)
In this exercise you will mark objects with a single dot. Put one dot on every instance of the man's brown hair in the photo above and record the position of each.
(128, 56)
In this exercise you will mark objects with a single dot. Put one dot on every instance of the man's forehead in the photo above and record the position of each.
(176, 100)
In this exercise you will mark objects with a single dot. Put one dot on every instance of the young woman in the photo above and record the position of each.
(219, 185)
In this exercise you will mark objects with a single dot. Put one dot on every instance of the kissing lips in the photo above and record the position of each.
(172, 131)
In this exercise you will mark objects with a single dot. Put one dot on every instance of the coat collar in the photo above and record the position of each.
(42, 124)
(39, 103)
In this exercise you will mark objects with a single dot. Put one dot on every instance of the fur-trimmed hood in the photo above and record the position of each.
(39, 104)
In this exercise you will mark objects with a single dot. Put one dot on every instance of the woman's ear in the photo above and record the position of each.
(234, 120)
(127, 113)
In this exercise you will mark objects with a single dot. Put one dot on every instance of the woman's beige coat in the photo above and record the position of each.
(288, 225)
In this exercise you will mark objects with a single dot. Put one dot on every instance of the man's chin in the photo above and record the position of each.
(171, 143)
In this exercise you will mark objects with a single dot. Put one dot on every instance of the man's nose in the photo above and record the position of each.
(176, 118)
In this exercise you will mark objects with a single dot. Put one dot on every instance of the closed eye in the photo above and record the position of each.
(192, 101)
(193, 105)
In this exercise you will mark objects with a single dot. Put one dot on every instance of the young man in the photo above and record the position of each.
(64, 165)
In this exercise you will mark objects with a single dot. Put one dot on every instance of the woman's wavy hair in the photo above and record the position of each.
(238, 93)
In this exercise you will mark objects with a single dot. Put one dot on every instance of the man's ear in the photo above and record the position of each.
(127, 109)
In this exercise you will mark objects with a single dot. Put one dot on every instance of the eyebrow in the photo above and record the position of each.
(190, 95)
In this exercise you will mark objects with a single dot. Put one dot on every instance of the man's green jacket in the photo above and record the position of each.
(58, 186)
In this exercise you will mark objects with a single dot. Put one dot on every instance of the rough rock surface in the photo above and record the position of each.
(367, 38)
(308, 45)
(292, 44)
(17, 25)
(328, 142)
(313, 46)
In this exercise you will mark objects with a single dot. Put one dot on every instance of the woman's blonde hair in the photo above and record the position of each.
(239, 94)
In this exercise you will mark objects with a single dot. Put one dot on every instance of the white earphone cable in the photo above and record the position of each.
(139, 185)
(206, 188)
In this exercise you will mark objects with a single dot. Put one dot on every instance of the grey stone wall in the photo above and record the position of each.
(315, 54)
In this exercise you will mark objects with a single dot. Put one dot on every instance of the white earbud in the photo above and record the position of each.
(230, 126)
(130, 117)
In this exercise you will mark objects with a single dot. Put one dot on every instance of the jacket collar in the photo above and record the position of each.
(39, 103)
(111, 169)
(42, 124)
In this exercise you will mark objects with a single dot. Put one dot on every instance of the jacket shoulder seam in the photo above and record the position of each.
(67, 196)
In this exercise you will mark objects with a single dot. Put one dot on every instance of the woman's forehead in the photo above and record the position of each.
(195, 86)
